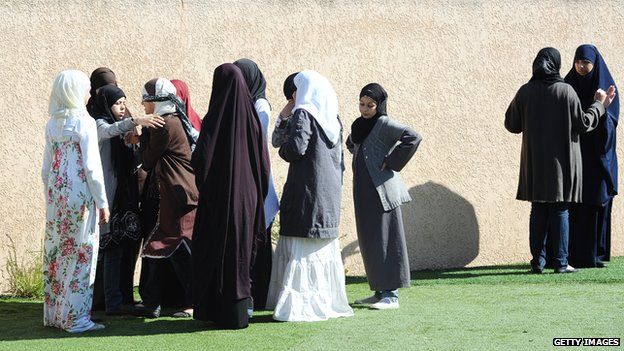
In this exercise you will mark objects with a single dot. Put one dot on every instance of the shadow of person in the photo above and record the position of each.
(441, 228)
(22, 320)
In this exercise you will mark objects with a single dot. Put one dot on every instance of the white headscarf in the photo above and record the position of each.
(317, 96)
(68, 94)
(165, 91)
(163, 88)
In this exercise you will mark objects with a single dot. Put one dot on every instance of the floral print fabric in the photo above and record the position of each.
(71, 240)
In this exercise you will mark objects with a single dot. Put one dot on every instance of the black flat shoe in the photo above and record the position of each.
(536, 270)
(566, 269)
(147, 312)
(600, 264)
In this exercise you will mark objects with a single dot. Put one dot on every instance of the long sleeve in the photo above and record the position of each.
(402, 153)
(154, 143)
(298, 138)
(47, 163)
(350, 144)
(607, 135)
(606, 148)
(92, 163)
(279, 134)
(106, 130)
(585, 121)
(264, 114)
(513, 119)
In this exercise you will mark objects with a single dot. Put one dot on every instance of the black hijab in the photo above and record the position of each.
(104, 101)
(231, 157)
(289, 86)
(361, 127)
(122, 156)
(546, 66)
(253, 78)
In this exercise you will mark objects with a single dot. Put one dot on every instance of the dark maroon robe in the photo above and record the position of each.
(231, 167)
(166, 151)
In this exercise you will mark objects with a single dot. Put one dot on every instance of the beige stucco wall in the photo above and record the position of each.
(450, 69)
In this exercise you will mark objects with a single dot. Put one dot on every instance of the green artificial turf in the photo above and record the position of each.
(490, 308)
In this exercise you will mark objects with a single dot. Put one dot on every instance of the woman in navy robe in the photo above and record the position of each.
(590, 220)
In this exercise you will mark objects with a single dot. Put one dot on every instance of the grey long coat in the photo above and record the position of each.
(381, 146)
(550, 119)
(310, 205)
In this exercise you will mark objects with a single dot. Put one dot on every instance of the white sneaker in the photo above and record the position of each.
(387, 303)
(367, 301)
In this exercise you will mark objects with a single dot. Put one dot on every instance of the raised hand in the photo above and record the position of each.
(610, 96)
(153, 121)
(600, 96)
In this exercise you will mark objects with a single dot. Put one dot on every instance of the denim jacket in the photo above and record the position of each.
(310, 206)
(380, 148)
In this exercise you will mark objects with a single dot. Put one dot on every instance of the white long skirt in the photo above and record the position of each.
(307, 281)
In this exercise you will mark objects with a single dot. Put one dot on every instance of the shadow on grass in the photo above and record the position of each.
(264, 318)
(459, 273)
(23, 320)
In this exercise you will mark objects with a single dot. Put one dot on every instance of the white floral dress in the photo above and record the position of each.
(74, 185)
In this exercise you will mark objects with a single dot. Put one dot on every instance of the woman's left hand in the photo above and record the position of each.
(104, 215)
